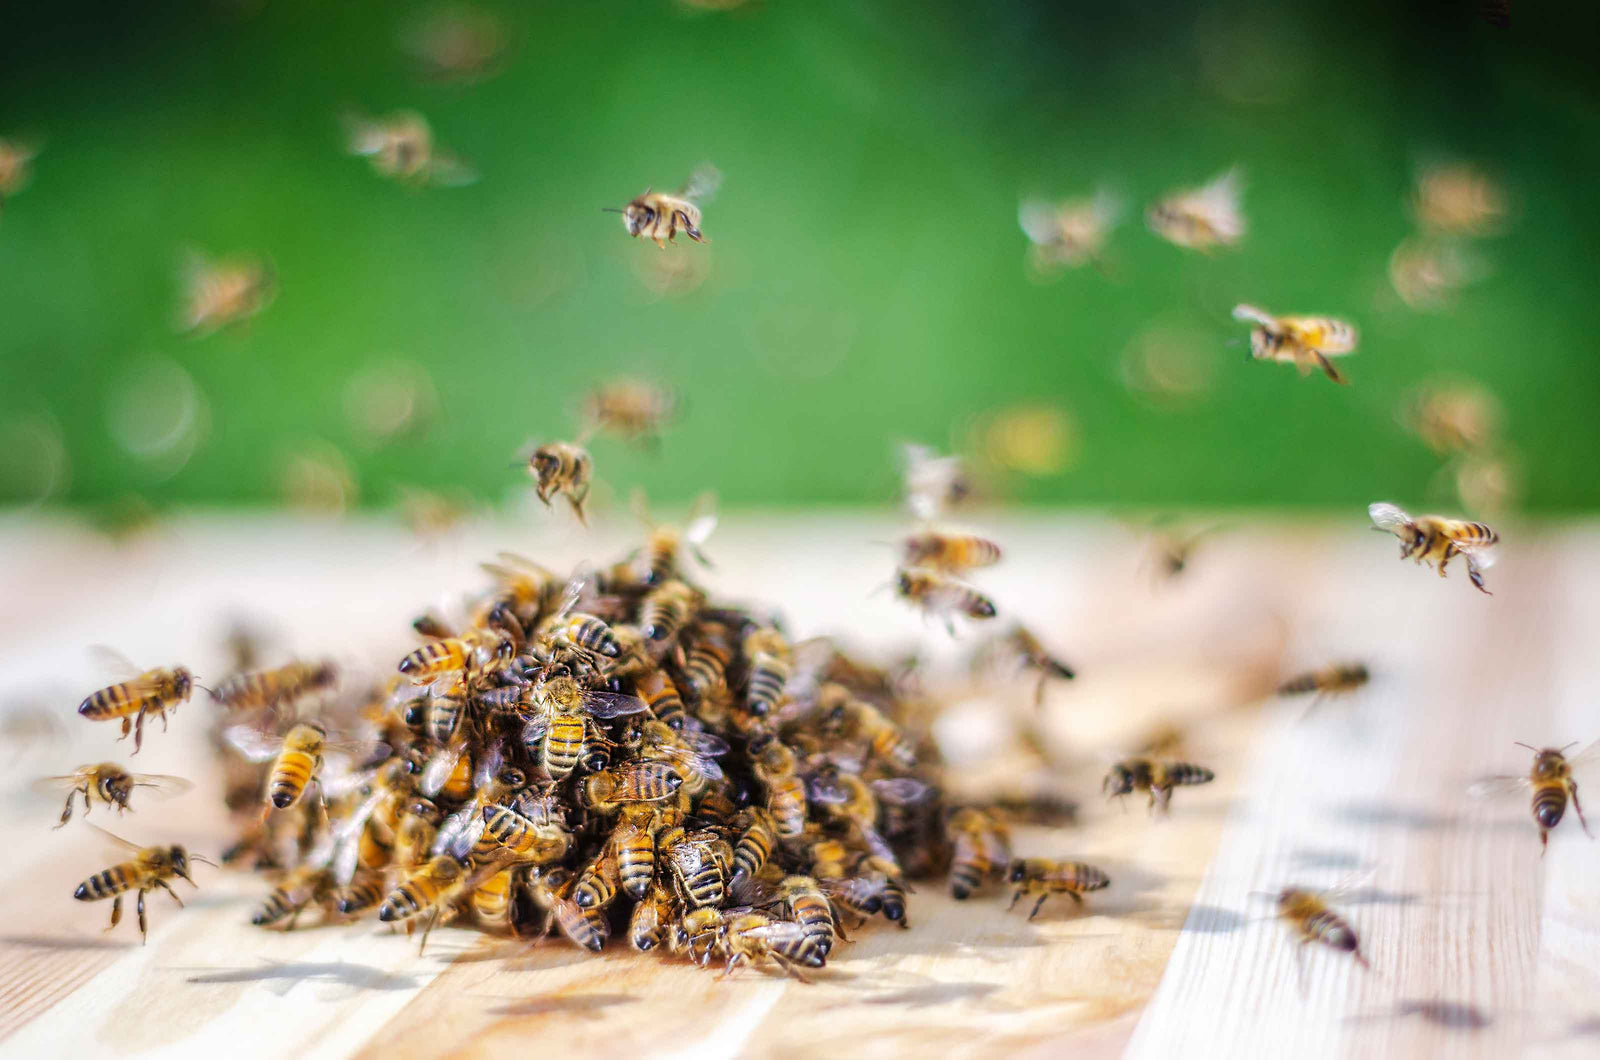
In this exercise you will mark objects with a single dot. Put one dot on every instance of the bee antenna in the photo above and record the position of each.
(1574, 743)
(611, 209)
(202, 859)
(1529, 746)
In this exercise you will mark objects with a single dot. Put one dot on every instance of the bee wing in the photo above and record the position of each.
(1220, 199)
(1589, 756)
(346, 835)
(612, 704)
(704, 743)
(1498, 786)
(1251, 315)
(117, 841)
(535, 729)
(1386, 516)
(517, 561)
(361, 135)
(703, 183)
(687, 857)
(448, 171)
(1355, 880)
(902, 791)
(702, 523)
(253, 743)
(1107, 207)
(1037, 219)
(823, 790)
(439, 768)
(577, 585)
(777, 931)
(113, 663)
(459, 832)
(46, 785)
(161, 785)
(704, 766)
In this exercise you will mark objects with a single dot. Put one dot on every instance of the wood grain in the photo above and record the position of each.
(1479, 946)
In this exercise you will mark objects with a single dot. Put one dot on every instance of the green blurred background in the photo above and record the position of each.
(866, 282)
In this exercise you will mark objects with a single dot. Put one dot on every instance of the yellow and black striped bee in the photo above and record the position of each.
(1304, 341)
(942, 596)
(948, 553)
(493, 899)
(1551, 781)
(1308, 915)
(659, 559)
(220, 293)
(431, 889)
(1201, 218)
(1329, 680)
(758, 837)
(150, 868)
(599, 880)
(653, 916)
(777, 767)
(1032, 655)
(561, 726)
(305, 885)
(110, 784)
(691, 751)
(297, 758)
(1154, 776)
(632, 409)
(270, 689)
(661, 695)
(633, 844)
(658, 216)
(849, 718)
(807, 904)
(980, 850)
(769, 663)
(609, 790)
(154, 692)
(526, 838)
(564, 468)
(700, 863)
(1044, 877)
(667, 608)
(1437, 540)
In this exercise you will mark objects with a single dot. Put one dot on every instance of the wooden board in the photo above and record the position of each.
(1479, 946)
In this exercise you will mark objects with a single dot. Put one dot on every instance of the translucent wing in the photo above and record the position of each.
(113, 663)
(577, 585)
(522, 563)
(704, 766)
(1252, 315)
(1356, 880)
(362, 137)
(347, 837)
(702, 523)
(439, 768)
(1220, 198)
(1589, 756)
(253, 743)
(703, 183)
(824, 789)
(161, 785)
(705, 743)
(1038, 221)
(448, 171)
(1498, 786)
(118, 841)
(612, 704)
(902, 791)
(534, 731)
(1386, 516)
(46, 785)
(777, 931)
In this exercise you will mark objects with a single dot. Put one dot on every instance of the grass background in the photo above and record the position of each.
(868, 280)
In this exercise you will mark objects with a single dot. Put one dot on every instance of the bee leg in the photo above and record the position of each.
(1041, 902)
(1572, 789)
(138, 731)
(432, 920)
(733, 962)
(1014, 899)
(127, 727)
(144, 926)
(1328, 368)
(1475, 573)
(168, 888)
(788, 966)
(66, 814)
(116, 912)
(1544, 841)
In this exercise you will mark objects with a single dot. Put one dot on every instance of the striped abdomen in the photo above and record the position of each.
(894, 901)
(597, 886)
(704, 883)
(563, 744)
(786, 801)
(658, 691)
(444, 716)
(754, 847)
(1330, 929)
(813, 913)
(636, 859)
(1079, 877)
(769, 675)
(492, 900)
(585, 927)
(441, 656)
(1549, 803)
(1174, 774)
(290, 775)
(969, 866)
(665, 611)
(591, 634)
(300, 888)
(107, 884)
(706, 669)
(118, 701)
(409, 899)
(363, 892)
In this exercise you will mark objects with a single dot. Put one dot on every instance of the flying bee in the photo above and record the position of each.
(1452, 418)
(1304, 341)
(154, 692)
(1071, 233)
(933, 484)
(564, 468)
(659, 216)
(943, 596)
(1308, 915)
(1551, 781)
(305, 885)
(150, 868)
(1336, 679)
(776, 766)
(1154, 776)
(223, 292)
(1044, 877)
(980, 846)
(631, 782)
(1458, 200)
(400, 146)
(659, 559)
(1426, 272)
(1435, 539)
(297, 758)
(632, 409)
(109, 783)
(16, 168)
(269, 689)
(667, 608)
(948, 553)
(1022, 650)
(769, 662)
(560, 730)
(1201, 218)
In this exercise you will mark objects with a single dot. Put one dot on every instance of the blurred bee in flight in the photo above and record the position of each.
(1070, 233)
(632, 409)
(154, 692)
(659, 216)
(16, 168)
(150, 867)
(1458, 199)
(297, 760)
(942, 596)
(1309, 915)
(1552, 784)
(1452, 417)
(1337, 679)
(271, 689)
(1305, 342)
(1031, 438)
(1437, 540)
(456, 43)
(400, 147)
(564, 468)
(1426, 272)
(948, 553)
(1153, 776)
(1201, 218)
(110, 784)
(934, 484)
(218, 293)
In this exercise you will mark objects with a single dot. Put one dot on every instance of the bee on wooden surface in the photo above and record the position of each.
(110, 784)
(222, 292)
(1154, 776)
(305, 885)
(400, 146)
(659, 216)
(1201, 218)
(1552, 784)
(151, 867)
(1304, 341)
(1452, 417)
(1070, 233)
(1336, 679)
(948, 553)
(633, 409)
(270, 689)
(434, 889)
(154, 692)
(1437, 540)
(941, 596)
(586, 928)
(750, 937)
(525, 837)
(1308, 915)
(980, 845)
(16, 168)
(933, 484)
(1044, 877)
(564, 468)
(1459, 200)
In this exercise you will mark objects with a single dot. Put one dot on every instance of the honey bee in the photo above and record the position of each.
(564, 468)
(1427, 272)
(219, 293)
(805, 902)
(1552, 784)
(150, 868)
(659, 216)
(1154, 776)
(658, 691)
(1201, 218)
(758, 837)
(652, 918)
(632, 409)
(1458, 200)
(16, 168)
(769, 660)
(980, 846)
(1071, 233)
(1329, 680)
(400, 146)
(1044, 877)
(691, 752)
(845, 717)
(659, 559)
(948, 553)
(750, 937)
(305, 885)
(700, 864)
(462, 834)
(934, 484)
(599, 881)
(492, 900)
(297, 758)
(705, 672)
(1435, 539)
(1020, 642)
(269, 689)
(776, 766)
(1304, 341)
(451, 655)
(587, 928)
(942, 596)
(560, 729)
(609, 790)
(154, 692)
(110, 784)
(434, 889)
(667, 608)
(1452, 418)
(1307, 914)
(528, 839)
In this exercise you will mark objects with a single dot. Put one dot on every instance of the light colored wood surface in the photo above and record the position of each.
(1479, 947)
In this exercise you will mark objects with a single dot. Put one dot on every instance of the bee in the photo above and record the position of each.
(528, 839)
(588, 928)
(1329, 680)
(1020, 642)
(632, 409)
(934, 484)
(599, 881)
(980, 845)
(150, 868)
(1304, 341)
(16, 168)
(1453, 418)
(400, 146)
(269, 689)
(769, 661)
(416, 833)
(560, 729)
(690, 751)
(1045, 877)
(304, 885)
(1071, 233)
(154, 692)
(846, 717)
(564, 468)
(758, 836)
(705, 672)
(1154, 776)
(700, 864)
(659, 560)
(1307, 914)
(492, 900)
(1201, 218)
(433, 888)
(1552, 784)
(649, 923)
(943, 596)
(659, 216)
(110, 784)
(633, 844)
(803, 900)
(667, 608)
(297, 758)
(457, 44)
(367, 888)
(1173, 551)
(494, 783)
(474, 648)
(224, 292)
(608, 791)
(1458, 200)
(776, 767)
(1426, 272)
(948, 553)
(658, 691)
(1435, 539)
(749, 937)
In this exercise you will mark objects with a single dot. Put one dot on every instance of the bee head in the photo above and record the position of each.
(903, 583)
(1019, 870)
(180, 861)
(513, 778)
(182, 682)
(1118, 782)
(983, 608)
(545, 463)
(637, 217)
